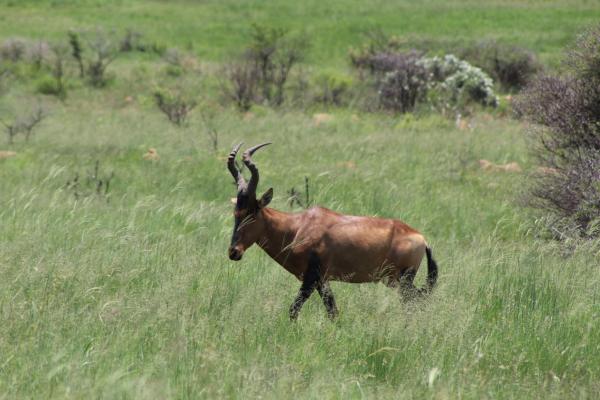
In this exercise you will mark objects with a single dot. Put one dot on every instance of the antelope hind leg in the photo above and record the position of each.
(328, 299)
(408, 291)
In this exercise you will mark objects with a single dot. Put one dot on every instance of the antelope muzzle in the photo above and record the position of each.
(235, 253)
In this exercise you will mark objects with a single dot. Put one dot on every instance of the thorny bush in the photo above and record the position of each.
(565, 116)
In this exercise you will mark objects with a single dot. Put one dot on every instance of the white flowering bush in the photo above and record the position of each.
(457, 82)
(447, 84)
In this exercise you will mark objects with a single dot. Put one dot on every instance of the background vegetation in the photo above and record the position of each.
(217, 29)
(114, 222)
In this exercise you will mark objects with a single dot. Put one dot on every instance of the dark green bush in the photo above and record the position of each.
(49, 86)
(331, 88)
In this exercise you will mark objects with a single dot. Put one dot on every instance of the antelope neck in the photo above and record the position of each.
(280, 231)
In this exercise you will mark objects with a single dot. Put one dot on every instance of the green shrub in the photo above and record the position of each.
(157, 48)
(49, 86)
(174, 71)
(332, 87)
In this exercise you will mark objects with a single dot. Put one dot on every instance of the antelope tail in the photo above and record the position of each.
(432, 271)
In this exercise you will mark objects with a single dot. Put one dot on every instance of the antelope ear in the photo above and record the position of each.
(266, 198)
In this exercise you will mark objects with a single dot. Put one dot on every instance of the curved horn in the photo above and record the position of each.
(246, 158)
(237, 175)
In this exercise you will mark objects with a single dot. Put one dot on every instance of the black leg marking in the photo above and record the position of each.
(328, 299)
(408, 291)
(310, 281)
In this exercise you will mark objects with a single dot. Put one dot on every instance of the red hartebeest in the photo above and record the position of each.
(320, 245)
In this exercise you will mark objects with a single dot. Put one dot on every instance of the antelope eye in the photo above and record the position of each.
(240, 213)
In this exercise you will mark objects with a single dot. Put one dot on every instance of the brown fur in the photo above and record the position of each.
(351, 249)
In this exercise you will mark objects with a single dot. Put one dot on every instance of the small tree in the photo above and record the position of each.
(4, 73)
(241, 84)
(24, 124)
(58, 65)
(37, 53)
(290, 52)
(31, 121)
(132, 41)
(261, 52)
(77, 51)
(11, 130)
(264, 70)
(274, 54)
(174, 104)
(404, 80)
(208, 114)
(103, 49)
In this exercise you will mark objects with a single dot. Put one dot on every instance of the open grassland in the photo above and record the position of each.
(135, 297)
(131, 294)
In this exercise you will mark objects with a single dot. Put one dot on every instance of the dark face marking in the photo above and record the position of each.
(243, 213)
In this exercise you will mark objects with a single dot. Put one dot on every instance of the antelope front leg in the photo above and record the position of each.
(310, 281)
(328, 299)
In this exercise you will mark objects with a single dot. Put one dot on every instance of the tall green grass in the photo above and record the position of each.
(132, 295)
(135, 297)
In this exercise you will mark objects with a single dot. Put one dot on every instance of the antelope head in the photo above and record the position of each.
(249, 223)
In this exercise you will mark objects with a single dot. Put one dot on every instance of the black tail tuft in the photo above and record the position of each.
(432, 270)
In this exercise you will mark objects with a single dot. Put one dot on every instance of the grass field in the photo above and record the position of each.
(131, 295)
(215, 30)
